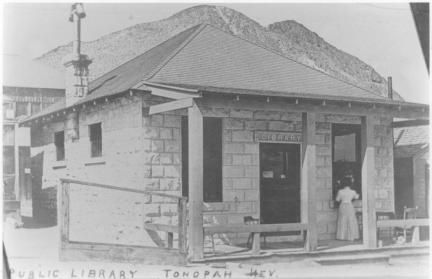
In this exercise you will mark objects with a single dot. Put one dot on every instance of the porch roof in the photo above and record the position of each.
(213, 61)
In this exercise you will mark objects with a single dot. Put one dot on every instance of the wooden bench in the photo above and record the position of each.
(256, 230)
(404, 224)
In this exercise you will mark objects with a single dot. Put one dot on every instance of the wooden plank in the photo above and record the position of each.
(410, 123)
(403, 223)
(182, 225)
(112, 252)
(170, 240)
(63, 213)
(171, 106)
(155, 237)
(308, 179)
(196, 181)
(256, 244)
(368, 182)
(254, 228)
(171, 92)
(161, 227)
(161, 194)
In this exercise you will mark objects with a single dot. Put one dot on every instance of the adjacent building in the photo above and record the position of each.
(28, 88)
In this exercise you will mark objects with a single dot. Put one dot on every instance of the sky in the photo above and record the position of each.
(381, 34)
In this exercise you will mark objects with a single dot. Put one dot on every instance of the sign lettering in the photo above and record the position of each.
(277, 137)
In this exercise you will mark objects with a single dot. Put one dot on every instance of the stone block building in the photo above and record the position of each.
(237, 129)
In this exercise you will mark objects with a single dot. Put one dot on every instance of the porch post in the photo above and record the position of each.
(308, 180)
(368, 183)
(195, 226)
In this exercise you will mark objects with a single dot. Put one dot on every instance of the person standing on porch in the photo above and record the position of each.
(347, 227)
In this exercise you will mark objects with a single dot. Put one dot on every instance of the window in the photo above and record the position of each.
(95, 132)
(59, 144)
(212, 187)
(346, 152)
(35, 108)
(21, 109)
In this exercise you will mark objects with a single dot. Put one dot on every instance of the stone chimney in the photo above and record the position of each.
(390, 88)
(76, 63)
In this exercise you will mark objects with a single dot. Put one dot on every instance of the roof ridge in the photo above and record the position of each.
(279, 54)
(159, 67)
(141, 54)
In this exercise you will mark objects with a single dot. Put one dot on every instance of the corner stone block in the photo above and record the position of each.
(256, 125)
(227, 159)
(234, 148)
(173, 121)
(172, 146)
(233, 172)
(151, 184)
(242, 159)
(281, 126)
(233, 124)
(227, 183)
(166, 158)
(177, 158)
(267, 115)
(240, 113)
(252, 148)
(170, 184)
(147, 171)
(150, 132)
(227, 135)
(291, 116)
(242, 183)
(252, 172)
(157, 146)
(233, 196)
(156, 120)
(242, 136)
(251, 195)
(172, 171)
(166, 133)
(157, 171)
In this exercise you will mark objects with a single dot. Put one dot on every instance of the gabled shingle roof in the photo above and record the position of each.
(205, 57)
(127, 75)
(215, 58)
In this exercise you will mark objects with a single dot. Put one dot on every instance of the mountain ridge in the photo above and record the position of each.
(288, 38)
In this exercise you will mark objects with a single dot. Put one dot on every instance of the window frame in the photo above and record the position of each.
(96, 144)
(60, 146)
(356, 128)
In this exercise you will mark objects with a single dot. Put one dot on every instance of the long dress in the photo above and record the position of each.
(347, 227)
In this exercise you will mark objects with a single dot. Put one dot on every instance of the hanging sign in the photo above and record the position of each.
(261, 136)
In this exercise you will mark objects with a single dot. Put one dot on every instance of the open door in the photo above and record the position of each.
(280, 183)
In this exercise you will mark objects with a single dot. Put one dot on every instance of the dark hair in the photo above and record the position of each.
(346, 181)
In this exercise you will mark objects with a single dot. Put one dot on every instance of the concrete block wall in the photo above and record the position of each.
(121, 164)
(241, 173)
(144, 152)
(384, 192)
(162, 162)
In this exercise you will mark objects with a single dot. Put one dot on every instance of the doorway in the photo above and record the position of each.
(403, 183)
(280, 183)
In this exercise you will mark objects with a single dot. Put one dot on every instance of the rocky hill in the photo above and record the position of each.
(289, 38)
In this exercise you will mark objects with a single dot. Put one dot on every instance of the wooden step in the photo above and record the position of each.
(410, 252)
(353, 259)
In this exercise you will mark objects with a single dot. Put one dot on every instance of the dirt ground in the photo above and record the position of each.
(33, 253)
